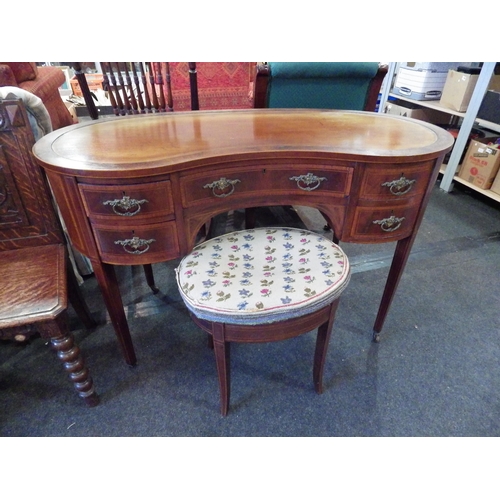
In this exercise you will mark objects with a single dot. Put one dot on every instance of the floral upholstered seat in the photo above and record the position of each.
(263, 285)
(262, 275)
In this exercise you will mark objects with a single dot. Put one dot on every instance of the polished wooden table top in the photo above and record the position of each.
(369, 174)
(160, 143)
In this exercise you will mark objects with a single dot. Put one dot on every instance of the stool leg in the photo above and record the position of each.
(150, 280)
(322, 340)
(250, 218)
(222, 359)
(210, 342)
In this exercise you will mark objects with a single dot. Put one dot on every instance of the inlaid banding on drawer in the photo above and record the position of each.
(309, 180)
(138, 245)
(390, 223)
(135, 201)
(383, 183)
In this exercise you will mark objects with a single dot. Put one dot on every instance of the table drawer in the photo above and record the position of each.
(137, 201)
(386, 223)
(309, 180)
(141, 244)
(383, 183)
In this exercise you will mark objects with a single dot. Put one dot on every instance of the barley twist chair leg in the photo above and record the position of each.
(68, 352)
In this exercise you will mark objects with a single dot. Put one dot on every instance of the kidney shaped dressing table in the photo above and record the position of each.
(136, 190)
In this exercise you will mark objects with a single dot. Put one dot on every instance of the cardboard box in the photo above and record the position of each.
(495, 187)
(72, 109)
(481, 165)
(94, 81)
(401, 108)
(420, 85)
(457, 90)
(490, 107)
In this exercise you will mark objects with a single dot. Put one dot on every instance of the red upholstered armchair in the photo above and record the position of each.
(44, 82)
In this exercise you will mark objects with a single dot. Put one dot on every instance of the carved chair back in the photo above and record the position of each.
(27, 214)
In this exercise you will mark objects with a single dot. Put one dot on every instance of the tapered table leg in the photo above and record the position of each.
(401, 254)
(106, 278)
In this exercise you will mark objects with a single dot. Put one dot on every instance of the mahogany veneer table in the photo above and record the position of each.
(136, 190)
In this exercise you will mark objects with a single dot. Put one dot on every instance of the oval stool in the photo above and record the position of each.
(263, 285)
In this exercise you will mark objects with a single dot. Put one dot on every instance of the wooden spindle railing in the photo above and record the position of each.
(121, 87)
(129, 90)
(158, 79)
(156, 104)
(107, 87)
(140, 100)
(138, 87)
(193, 84)
(170, 100)
(114, 90)
(145, 88)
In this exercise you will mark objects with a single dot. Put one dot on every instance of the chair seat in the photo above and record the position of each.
(33, 284)
(262, 275)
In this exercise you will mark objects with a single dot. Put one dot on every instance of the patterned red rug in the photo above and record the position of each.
(221, 85)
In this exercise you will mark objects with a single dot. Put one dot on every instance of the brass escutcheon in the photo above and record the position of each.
(123, 207)
(137, 245)
(304, 181)
(390, 224)
(219, 188)
(400, 186)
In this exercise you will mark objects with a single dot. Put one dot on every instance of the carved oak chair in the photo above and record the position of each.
(37, 279)
(351, 86)
(263, 285)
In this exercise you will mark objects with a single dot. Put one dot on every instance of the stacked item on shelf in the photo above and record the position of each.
(490, 106)
(423, 81)
(459, 83)
(477, 98)
(411, 110)
(481, 163)
(495, 187)
(459, 87)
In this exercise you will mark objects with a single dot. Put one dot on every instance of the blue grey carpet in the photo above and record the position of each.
(434, 373)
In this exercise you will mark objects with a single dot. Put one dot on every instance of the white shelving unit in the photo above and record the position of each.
(469, 119)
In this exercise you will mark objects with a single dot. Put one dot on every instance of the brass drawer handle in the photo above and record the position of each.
(390, 224)
(135, 245)
(219, 188)
(400, 186)
(304, 181)
(123, 207)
